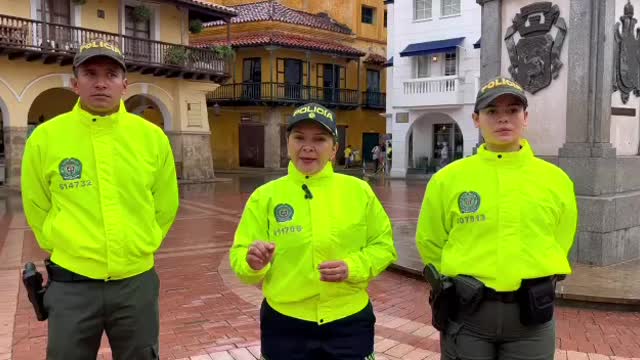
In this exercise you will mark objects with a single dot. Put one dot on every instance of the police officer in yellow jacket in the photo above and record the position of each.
(315, 239)
(100, 192)
(499, 226)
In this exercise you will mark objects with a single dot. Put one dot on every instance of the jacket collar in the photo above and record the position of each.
(514, 157)
(89, 118)
(297, 176)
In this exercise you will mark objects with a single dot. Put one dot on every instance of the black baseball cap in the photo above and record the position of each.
(316, 113)
(497, 87)
(99, 48)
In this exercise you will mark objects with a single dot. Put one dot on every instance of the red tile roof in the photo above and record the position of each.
(284, 40)
(375, 59)
(274, 11)
(211, 6)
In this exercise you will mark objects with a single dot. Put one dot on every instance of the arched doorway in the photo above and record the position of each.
(147, 108)
(49, 104)
(433, 140)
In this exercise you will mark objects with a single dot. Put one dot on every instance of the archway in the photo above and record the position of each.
(433, 140)
(146, 107)
(49, 104)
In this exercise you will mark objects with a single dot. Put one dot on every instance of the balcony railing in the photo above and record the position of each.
(374, 100)
(269, 92)
(436, 91)
(431, 86)
(59, 43)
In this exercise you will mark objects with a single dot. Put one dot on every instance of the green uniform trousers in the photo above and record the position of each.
(493, 332)
(127, 310)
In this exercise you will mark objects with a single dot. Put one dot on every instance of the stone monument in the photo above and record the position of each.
(579, 61)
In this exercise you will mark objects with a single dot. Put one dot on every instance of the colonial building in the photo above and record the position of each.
(434, 66)
(168, 79)
(290, 52)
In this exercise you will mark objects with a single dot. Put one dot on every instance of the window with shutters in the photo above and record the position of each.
(368, 15)
(450, 7)
(450, 63)
(422, 9)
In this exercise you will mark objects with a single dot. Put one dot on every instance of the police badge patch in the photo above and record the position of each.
(469, 202)
(283, 213)
(70, 169)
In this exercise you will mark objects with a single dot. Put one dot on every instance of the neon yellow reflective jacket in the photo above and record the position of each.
(499, 217)
(343, 220)
(100, 193)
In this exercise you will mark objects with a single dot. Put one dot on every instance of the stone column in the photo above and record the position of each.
(491, 41)
(272, 139)
(490, 45)
(607, 194)
(192, 154)
(14, 141)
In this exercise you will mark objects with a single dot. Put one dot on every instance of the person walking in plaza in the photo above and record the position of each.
(315, 238)
(100, 192)
(375, 155)
(500, 236)
(348, 157)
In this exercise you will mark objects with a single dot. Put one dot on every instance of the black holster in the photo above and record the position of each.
(536, 299)
(32, 280)
(469, 291)
(442, 297)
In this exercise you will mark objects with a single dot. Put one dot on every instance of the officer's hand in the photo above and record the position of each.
(333, 271)
(260, 254)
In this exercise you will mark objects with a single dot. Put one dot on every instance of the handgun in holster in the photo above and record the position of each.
(442, 297)
(32, 280)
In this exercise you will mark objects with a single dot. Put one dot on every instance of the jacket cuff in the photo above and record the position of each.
(356, 271)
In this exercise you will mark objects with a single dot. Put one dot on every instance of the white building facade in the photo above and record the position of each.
(432, 80)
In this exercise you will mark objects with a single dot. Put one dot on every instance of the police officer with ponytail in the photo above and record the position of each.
(494, 232)
(314, 239)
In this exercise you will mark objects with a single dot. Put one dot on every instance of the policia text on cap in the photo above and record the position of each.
(495, 238)
(315, 239)
(100, 192)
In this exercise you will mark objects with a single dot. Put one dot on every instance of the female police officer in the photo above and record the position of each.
(501, 224)
(316, 238)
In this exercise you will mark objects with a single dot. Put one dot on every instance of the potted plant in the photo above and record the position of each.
(79, 2)
(225, 52)
(196, 26)
(141, 13)
(176, 55)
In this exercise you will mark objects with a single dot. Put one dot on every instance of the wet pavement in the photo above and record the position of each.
(206, 313)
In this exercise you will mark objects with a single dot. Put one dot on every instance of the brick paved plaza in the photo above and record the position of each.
(207, 314)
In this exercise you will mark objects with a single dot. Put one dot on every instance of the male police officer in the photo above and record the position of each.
(100, 192)
(501, 234)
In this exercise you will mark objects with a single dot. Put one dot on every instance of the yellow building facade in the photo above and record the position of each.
(168, 79)
(288, 53)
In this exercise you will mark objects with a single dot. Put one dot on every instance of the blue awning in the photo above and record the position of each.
(389, 62)
(477, 44)
(431, 47)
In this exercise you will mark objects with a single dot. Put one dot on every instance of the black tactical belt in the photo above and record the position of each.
(505, 297)
(57, 273)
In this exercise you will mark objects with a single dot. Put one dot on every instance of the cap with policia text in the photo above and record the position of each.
(497, 87)
(316, 113)
(97, 48)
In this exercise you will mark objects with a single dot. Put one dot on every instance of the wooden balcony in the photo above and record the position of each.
(282, 94)
(374, 100)
(57, 44)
